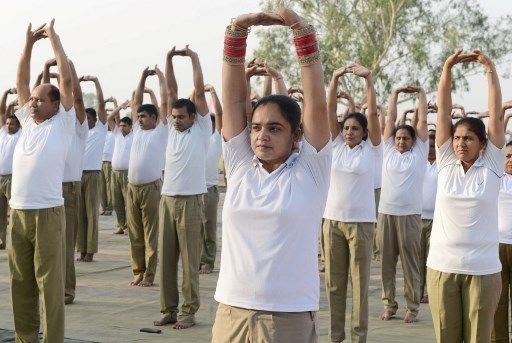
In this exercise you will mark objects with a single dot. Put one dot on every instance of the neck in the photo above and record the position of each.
(272, 165)
(431, 160)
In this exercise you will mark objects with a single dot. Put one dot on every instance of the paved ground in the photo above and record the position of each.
(107, 309)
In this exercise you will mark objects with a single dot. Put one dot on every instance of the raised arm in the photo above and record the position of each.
(172, 85)
(403, 118)
(267, 85)
(421, 118)
(77, 94)
(277, 79)
(114, 117)
(46, 71)
(23, 73)
(216, 105)
(199, 96)
(332, 102)
(102, 113)
(382, 118)
(139, 92)
(389, 127)
(3, 105)
(371, 103)
(11, 108)
(38, 81)
(152, 96)
(164, 99)
(251, 69)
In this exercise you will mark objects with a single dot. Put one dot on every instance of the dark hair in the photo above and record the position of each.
(474, 125)
(212, 117)
(509, 143)
(92, 112)
(361, 119)
(54, 93)
(126, 120)
(431, 133)
(408, 128)
(288, 107)
(149, 109)
(189, 105)
(13, 117)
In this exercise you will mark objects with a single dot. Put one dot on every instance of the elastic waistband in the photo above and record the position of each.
(156, 182)
(90, 171)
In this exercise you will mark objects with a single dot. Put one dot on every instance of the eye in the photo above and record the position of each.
(255, 128)
(274, 129)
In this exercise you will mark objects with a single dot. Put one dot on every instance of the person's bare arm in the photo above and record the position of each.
(371, 103)
(152, 96)
(172, 85)
(251, 69)
(3, 105)
(77, 95)
(267, 85)
(164, 104)
(114, 117)
(11, 108)
(199, 96)
(403, 118)
(46, 71)
(23, 73)
(216, 105)
(421, 117)
(38, 81)
(277, 78)
(460, 108)
(139, 92)
(332, 102)
(389, 127)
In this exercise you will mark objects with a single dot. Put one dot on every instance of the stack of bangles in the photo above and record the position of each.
(306, 45)
(235, 44)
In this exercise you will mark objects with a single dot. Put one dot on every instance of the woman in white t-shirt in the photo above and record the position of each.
(501, 321)
(463, 276)
(399, 220)
(268, 286)
(350, 210)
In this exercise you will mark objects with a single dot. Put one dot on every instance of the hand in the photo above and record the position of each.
(343, 95)
(293, 90)
(289, 17)
(148, 90)
(146, 72)
(50, 63)
(12, 91)
(158, 72)
(171, 53)
(209, 88)
(125, 104)
(271, 71)
(340, 72)
(505, 106)
(188, 52)
(54, 76)
(459, 57)
(49, 29)
(34, 36)
(245, 21)
(13, 103)
(360, 71)
(409, 89)
(255, 70)
(88, 78)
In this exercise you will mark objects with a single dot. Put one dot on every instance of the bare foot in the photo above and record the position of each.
(164, 321)
(145, 283)
(81, 258)
(119, 231)
(182, 325)
(88, 257)
(410, 317)
(424, 299)
(136, 280)
(387, 314)
(205, 269)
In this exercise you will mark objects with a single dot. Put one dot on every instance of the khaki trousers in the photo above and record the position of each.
(36, 264)
(71, 191)
(106, 186)
(463, 306)
(376, 252)
(87, 234)
(209, 228)
(181, 218)
(142, 209)
(400, 236)
(501, 317)
(119, 187)
(425, 247)
(348, 253)
(235, 324)
(5, 195)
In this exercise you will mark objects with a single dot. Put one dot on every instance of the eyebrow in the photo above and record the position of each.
(268, 124)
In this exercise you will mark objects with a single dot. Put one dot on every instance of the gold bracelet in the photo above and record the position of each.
(234, 60)
(303, 31)
(309, 59)
(235, 27)
(236, 33)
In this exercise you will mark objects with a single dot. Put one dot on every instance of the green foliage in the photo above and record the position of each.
(401, 41)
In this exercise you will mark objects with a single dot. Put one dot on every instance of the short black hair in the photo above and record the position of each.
(189, 105)
(431, 133)
(408, 128)
(54, 93)
(92, 112)
(149, 109)
(475, 125)
(126, 120)
(288, 107)
(361, 119)
(13, 117)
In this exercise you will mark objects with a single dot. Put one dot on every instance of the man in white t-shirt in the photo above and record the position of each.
(181, 206)
(106, 175)
(9, 134)
(87, 235)
(37, 249)
(211, 199)
(144, 180)
(123, 139)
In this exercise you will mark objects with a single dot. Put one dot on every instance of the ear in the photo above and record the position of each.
(297, 135)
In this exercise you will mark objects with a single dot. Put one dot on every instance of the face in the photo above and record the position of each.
(466, 144)
(431, 148)
(146, 121)
(353, 132)
(403, 141)
(508, 161)
(182, 120)
(125, 128)
(272, 139)
(12, 126)
(41, 106)
(91, 121)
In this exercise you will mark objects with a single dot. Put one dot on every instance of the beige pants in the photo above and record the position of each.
(142, 208)
(5, 195)
(463, 306)
(119, 187)
(501, 317)
(235, 324)
(87, 233)
(348, 251)
(71, 191)
(106, 186)
(37, 267)
(181, 218)
(425, 247)
(400, 236)
(376, 252)
(209, 228)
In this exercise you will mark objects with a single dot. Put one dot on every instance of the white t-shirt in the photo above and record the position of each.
(429, 191)
(270, 229)
(465, 236)
(212, 159)
(351, 193)
(147, 154)
(108, 148)
(122, 149)
(94, 146)
(75, 156)
(402, 178)
(505, 209)
(377, 172)
(185, 160)
(39, 158)
(7, 145)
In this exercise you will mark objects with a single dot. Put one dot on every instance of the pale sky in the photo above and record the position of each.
(114, 40)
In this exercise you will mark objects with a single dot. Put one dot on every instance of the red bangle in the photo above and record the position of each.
(234, 41)
(307, 50)
(228, 51)
(305, 40)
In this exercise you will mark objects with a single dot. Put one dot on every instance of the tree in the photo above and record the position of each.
(401, 41)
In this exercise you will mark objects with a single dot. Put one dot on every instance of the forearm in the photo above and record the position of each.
(496, 121)
(248, 102)
(77, 95)
(200, 97)
(172, 85)
(164, 99)
(444, 107)
(138, 97)
(3, 107)
(421, 116)
(46, 74)
(23, 75)
(102, 113)
(371, 112)
(332, 105)
(280, 86)
(65, 83)
(234, 96)
(389, 127)
(267, 85)
(152, 96)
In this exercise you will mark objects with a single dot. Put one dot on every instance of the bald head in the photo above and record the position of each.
(44, 102)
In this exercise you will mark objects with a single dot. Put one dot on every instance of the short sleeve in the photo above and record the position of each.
(237, 152)
(205, 123)
(494, 158)
(421, 149)
(389, 145)
(317, 163)
(445, 154)
(117, 131)
(82, 129)
(23, 114)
